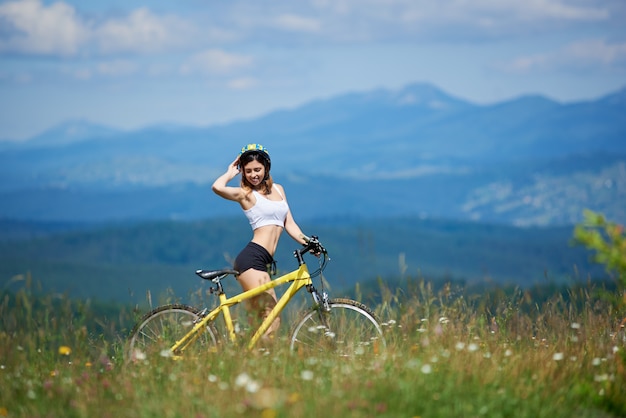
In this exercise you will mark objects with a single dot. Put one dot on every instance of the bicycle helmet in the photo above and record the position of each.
(256, 152)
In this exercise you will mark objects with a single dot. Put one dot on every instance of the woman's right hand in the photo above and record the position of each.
(233, 168)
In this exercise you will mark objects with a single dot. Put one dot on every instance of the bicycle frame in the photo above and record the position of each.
(299, 278)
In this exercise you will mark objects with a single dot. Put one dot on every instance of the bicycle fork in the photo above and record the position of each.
(322, 305)
(320, 301)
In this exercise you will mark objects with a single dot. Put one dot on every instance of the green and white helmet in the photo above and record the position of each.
(256, 149)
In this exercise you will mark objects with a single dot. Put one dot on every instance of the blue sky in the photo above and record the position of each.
(131, 64)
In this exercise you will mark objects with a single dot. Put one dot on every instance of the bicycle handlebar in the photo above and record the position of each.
(312, 244)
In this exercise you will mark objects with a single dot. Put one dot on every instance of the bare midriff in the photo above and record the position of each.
(267, 236)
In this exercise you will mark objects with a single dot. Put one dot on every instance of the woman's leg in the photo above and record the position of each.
(263, 304)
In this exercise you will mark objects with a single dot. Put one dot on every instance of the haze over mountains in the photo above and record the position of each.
(415, 151)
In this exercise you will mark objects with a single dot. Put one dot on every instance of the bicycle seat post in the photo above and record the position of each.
(219, 289)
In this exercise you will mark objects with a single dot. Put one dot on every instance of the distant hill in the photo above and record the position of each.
(414, 151)
(122, 262)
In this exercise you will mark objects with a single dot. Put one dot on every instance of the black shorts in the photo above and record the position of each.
(254, 256)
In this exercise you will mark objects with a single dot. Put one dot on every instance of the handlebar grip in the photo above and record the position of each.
(312, 244)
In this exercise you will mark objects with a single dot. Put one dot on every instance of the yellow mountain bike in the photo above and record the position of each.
(343, 326)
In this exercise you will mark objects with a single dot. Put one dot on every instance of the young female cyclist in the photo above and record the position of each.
(265, 205)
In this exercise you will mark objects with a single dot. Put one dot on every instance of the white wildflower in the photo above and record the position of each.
(245, 381)
(601, 377)
(138, 354)
(253, 386)
(242, 380)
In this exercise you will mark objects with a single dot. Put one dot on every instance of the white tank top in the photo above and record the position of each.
(267, 212)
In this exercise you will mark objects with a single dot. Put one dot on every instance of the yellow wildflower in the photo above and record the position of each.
(65, 350)
(293, 398)
(268, 413)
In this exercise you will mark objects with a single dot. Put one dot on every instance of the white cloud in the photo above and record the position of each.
(215, 61)
(30, 27)
(459, 19)
(33, 28)
(594, 54)
(558, 10)
(596, 51)
(243, 83)
(294, 23)
(463, 10)
(511, 11)
(361, 21)
(141, 31)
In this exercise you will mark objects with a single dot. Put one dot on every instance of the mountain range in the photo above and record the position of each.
(412, 151)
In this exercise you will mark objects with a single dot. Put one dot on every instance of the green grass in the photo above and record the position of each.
(449, 354)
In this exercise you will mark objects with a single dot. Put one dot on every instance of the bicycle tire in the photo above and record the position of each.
(349, 329)
(157, 331)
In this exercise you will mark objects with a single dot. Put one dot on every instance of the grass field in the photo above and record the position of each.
(449, 354)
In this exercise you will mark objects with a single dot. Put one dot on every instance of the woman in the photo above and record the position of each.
(265, 205)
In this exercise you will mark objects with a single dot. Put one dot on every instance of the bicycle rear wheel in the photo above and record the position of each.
(349, 329)
(159, 329)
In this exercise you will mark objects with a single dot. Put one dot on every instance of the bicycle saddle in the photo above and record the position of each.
(216, 274)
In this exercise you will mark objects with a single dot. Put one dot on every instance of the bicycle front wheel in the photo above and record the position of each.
(160, 329)
(348, 329)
